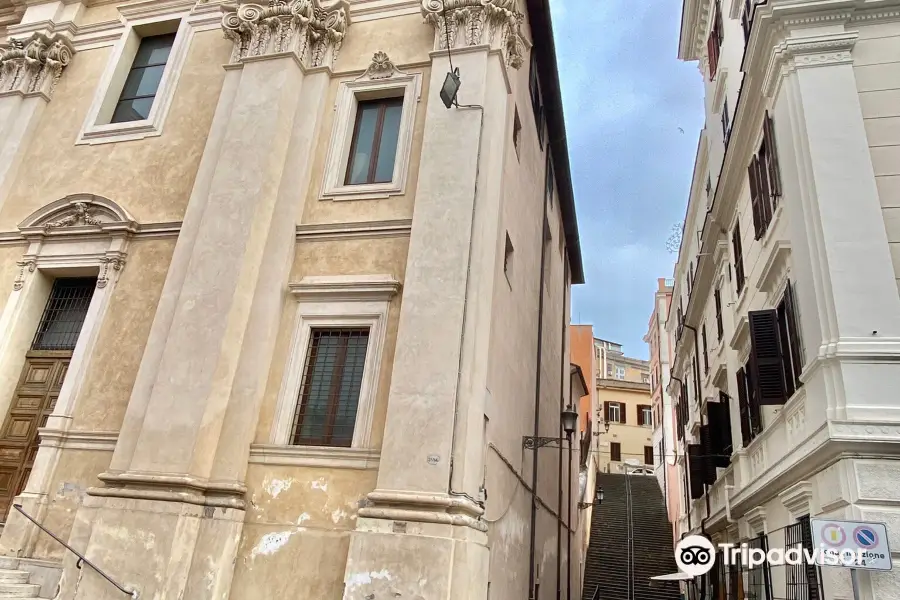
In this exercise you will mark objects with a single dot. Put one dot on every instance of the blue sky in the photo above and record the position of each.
(626, 95)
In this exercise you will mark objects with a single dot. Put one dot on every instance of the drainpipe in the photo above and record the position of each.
(566, 372)
(559, 497)
(683, 471)
(537, 401)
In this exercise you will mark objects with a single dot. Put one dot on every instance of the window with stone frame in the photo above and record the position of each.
(142, 82)
(765, 180)
(615, 451)
(330, 389)
(373, 149)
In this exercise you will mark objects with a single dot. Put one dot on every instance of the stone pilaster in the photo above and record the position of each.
(423, 522)
(170, 515)
(849, 304)
(29, 71)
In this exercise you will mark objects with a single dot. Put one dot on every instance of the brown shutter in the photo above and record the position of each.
(709, 469)
(765, 354)
(773, 167)
(793, 332)
(606, 411)
(755, 197)
(640, 414)
(720, 329)
(648, 455)
(719, 417)
(711, 52)
(695, 471)
(705, 353)
(738, 256)
(744, 407)
(765, 196)
(615, 452)
(623, 413)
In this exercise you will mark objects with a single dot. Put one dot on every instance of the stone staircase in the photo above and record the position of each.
(606, 572)
(14, 582)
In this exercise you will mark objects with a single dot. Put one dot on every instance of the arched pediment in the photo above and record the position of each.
(82, 212)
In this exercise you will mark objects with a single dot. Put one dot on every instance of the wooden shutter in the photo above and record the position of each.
(623, 413)
(705, 353)
(707, 466)
(738, 256)
(720, 330)
(606, 411)
(762, 183)
(765, 355)
(774, 170)
(695, 471)
(755, 197)
(793, 333)
(719, 416)
(615, 451)
(640, 414)
(712, 51)
(648, 455)
(744, 407)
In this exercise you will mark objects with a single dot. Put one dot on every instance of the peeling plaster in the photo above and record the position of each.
(271, 543)
(319, 484)
(358, 579)
(275, 486)
(337, 515)
(303, 518)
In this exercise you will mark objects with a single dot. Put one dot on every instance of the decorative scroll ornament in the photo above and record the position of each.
(460, 23)
(20, 278)
(35, 64)
(312, 29)
(116, 263)
(381, 67)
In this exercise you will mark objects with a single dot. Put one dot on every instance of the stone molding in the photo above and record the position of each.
(313, 30)
(346, 288)
(756, 519)
(796, 499)
(314, 456)
(171, 487)
(34, 65)
(77, 213)
(78, 440)
(804, 52)
(316, 232)
(462, 23)
(423, 508)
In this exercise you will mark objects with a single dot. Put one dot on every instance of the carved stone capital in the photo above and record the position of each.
(314, 30)
(34, 64)
(460, 23)
(115, 262)
(29, 264)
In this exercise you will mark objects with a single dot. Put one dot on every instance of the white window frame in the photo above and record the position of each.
(618, 417)
(620, 372)
(96, 128)
(648, 412)
(349, 95)
(331, 302)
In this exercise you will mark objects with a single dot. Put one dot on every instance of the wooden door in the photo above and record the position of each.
(31, 405)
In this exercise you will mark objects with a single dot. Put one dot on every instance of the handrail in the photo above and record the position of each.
(596, 595)
(81, 557)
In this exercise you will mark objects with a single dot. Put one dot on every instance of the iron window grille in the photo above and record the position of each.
(64, 313)
(329, 394)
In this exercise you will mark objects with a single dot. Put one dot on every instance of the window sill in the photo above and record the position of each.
(368, 191)
(314, 456)
(118, 132)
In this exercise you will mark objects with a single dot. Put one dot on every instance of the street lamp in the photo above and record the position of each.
(569, 419)
(598, 499)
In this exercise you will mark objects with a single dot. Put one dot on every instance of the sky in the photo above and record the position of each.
(625, 96)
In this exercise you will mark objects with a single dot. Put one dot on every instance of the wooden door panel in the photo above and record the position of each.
(34, 401)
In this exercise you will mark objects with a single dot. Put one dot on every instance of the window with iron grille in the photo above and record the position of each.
(759, 578)
(801, 581)
(64, 313)
(329, 394)
(615, 451)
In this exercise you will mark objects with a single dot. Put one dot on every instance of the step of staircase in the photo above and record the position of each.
(14, 581)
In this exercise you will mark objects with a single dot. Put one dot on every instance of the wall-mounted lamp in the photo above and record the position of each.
(598, 499)
(569, 420)
(450, 88)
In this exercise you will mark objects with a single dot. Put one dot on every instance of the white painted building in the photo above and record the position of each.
(785, 308)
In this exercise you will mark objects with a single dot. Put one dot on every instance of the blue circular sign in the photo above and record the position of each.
(865, 537)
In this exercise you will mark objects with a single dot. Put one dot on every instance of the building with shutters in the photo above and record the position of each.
(275, 319)
(660, 343)
(786, 312)
(623, 401)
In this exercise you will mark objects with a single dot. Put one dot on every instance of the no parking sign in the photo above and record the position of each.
(867, 540)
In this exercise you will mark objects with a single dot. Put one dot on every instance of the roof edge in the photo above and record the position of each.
(548, 72)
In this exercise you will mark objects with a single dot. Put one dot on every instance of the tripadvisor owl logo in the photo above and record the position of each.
(695, 555)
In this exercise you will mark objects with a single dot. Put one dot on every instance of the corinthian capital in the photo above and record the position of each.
(459, 23)
(35, 64)
(312, 29)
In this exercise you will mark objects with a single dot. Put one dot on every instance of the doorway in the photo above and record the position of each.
(46, 363)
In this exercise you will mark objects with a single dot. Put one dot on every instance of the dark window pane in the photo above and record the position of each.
(64, 314)
(132, 110)
(142, 82)
(329, 395)
(154, 50)
(387, 152)
(364, 140)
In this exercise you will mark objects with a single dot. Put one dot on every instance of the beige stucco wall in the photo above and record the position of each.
(150, 178)
(630, 435)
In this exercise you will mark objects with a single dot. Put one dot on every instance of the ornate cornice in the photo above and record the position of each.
(314, 30)
(813, 51)
(461, 23)
(34, 64)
